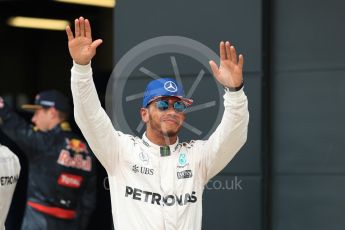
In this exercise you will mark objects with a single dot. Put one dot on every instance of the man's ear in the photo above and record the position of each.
(144, 112)
(53, 112)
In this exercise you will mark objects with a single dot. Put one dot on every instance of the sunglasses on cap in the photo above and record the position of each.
(163, 105)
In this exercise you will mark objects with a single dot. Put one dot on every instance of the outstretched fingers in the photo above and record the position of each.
(88, 29)
(233, 54)
(240, 61)
(82, 26)
(228, 52)
(214, 68)
(69, 33)
(96, 43)
(222, 51)
(76, 28)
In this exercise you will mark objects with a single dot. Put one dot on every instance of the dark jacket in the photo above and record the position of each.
(62, 170)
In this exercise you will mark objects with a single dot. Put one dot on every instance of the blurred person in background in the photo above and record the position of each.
(61, 190)
(9, 174)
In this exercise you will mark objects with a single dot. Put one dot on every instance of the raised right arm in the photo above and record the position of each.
(89, 115)
(19, 130)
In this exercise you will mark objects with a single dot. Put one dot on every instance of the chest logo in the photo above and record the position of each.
(70, 180)
(76, 146)
(74, 161)
(144, 157)
(182, 160)
(184, 174)
(142, 170)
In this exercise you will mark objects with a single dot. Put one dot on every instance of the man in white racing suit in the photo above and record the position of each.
(9, 175)
(155, 181)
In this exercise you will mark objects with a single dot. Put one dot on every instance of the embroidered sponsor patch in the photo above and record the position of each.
(70, 180)
(184, 174)
(159, 199)
(144, 157)
(8, 180)
(182, 160)
(142, 170)
(76, 145)
(76, 161)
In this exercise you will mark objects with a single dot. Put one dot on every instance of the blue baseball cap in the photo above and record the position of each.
(164, 87)
(48, 99)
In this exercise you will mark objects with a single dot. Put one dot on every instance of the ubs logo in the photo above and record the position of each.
(142, 170)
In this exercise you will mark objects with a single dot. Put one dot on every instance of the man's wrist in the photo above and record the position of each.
(83, 69)
(234, 89)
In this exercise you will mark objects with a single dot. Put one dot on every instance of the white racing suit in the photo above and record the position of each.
(9, 175)
(149, 191)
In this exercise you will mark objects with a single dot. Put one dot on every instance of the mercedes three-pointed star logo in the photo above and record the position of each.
(170, 86)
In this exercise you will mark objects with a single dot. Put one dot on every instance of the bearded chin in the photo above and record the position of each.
(170, 133)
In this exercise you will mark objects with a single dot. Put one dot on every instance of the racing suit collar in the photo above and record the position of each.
(157, 147)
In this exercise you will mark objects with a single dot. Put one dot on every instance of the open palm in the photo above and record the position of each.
(229, 73)
(81, 46)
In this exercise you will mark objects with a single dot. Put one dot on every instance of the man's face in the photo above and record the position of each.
(168, 122)
(42, 119)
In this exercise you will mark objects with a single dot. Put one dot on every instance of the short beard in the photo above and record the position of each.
(170, 133)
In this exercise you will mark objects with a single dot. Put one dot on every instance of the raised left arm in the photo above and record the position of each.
(231, 134)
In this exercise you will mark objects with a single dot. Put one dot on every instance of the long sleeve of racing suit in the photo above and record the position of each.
(104, 140)
(91, 118)
(228, 138)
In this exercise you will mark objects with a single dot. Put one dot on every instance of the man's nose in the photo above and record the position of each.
(171, 109)
(33, 119)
